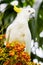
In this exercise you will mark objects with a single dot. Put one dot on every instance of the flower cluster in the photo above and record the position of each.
(17, 51)
(14, 54)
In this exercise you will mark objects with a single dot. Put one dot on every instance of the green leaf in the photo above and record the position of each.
(8, 17)
(6, 1)
(40, 24)
(29, 2)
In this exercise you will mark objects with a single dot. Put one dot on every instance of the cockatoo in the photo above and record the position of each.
(19, 29)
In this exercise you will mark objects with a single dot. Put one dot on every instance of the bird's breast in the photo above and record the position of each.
(20, 32)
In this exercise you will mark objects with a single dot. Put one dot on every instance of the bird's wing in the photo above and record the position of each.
(8, 33)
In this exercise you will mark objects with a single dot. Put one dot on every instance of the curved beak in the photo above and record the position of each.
(16, 9)
(32, 15)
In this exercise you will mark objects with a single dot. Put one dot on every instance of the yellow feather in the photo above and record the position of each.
(17, 9)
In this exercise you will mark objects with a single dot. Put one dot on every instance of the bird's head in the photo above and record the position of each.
(28, 11)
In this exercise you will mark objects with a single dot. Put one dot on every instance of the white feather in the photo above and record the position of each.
(19, 29)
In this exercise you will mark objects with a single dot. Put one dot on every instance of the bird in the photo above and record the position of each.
(19, 29)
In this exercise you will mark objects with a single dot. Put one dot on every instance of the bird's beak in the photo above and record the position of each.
(32, 15)
(16, 9)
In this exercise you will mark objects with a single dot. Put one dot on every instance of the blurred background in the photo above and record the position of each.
(7, 15)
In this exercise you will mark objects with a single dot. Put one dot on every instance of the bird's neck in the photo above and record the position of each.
(22, 18)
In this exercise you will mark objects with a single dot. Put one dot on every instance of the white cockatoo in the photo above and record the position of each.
(19, 29)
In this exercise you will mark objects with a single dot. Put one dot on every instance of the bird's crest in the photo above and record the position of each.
(17, 9)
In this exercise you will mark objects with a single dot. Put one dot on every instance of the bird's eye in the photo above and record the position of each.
(29, 11)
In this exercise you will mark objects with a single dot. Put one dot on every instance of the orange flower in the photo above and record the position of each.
(7, 45)
(22, 46)
(11, 53)
(6, 63)
(19, 46)
(18, 63)
(25, 56)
